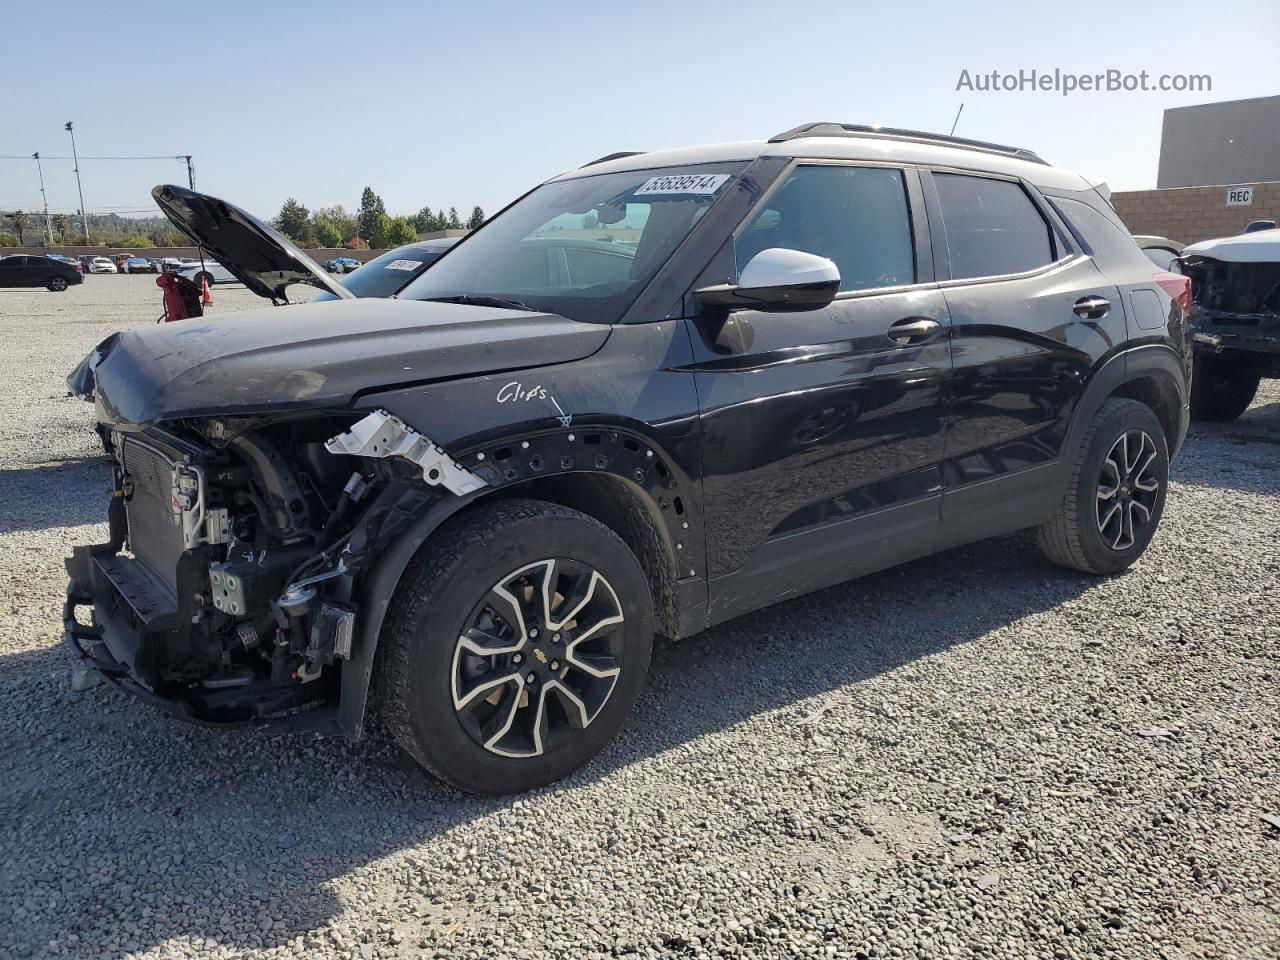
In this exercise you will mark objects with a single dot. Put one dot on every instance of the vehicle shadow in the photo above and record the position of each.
(69, 493)
(236, 837)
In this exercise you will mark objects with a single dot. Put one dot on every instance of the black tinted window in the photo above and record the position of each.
(855, 216)
(1106, 242)
(992, 227)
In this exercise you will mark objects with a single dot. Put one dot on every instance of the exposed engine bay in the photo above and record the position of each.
(1237, 305)
(227, 590)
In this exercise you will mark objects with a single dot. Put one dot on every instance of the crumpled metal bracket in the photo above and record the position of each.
(382, 434)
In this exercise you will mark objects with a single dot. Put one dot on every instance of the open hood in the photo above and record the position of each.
(258, 255)
(314, 355)
(1261, 246)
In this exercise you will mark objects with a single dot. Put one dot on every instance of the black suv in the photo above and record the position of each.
(654, 393)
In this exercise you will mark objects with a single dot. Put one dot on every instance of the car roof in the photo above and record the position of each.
(852, 144)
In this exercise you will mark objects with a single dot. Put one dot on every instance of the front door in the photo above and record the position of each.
(822, 430)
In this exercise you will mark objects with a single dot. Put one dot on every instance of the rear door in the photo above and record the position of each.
(1031, 316)
(822, 431)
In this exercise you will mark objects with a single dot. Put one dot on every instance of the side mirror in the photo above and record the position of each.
(777, 280)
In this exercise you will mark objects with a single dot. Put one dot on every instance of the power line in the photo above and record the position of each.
(177, 156)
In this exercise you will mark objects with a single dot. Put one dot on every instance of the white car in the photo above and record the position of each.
(211, 270)
(102, 265)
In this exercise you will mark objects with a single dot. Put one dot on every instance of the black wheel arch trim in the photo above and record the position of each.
(1156, 362)
(590, 449)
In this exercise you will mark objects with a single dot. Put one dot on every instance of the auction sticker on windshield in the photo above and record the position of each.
(702, 184)
(404, 264)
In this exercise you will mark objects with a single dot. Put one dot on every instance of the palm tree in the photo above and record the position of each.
(20, 223)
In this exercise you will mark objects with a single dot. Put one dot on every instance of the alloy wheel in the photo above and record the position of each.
(1127, 489)
(539, 657)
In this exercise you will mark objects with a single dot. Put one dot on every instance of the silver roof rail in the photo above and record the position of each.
(827, 129)
(613, 156)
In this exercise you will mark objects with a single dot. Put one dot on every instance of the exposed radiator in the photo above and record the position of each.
(155, 528)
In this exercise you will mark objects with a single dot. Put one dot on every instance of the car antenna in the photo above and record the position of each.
(956, 120)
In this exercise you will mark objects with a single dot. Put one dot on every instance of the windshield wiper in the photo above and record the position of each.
(483, 302)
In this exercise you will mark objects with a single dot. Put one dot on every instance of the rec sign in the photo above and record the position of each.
(1239, 196)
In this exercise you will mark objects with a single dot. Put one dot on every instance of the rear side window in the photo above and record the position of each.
(855, 216)
(1102, 238)
(992, 227)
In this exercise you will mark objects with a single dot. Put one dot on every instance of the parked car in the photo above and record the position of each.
(385, 274)
(85, 261)
(24, 270)
(482, 498)
(121, 260)
(61, 258)
(1235, 283)
(340, 264)
(138, 265)
(170, 264)
(210, 271)
(102, 265)
(1161, 251)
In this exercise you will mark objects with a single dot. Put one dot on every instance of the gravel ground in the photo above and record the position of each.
(977, 755)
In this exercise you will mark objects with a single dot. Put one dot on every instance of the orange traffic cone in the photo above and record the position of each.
(205, 296)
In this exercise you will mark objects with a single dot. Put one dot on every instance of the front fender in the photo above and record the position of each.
(416, 513)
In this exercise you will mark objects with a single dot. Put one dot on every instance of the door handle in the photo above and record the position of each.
(911, 330)
(1091, 308)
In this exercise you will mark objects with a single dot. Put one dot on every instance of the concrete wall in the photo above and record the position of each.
(1237, 141)
(1189, 214)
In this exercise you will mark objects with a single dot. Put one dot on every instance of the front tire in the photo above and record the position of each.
(515, 646)
(57, 284)
(1220, 389)
(1116, 493)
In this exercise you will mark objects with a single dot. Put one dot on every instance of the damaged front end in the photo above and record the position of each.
(230, 588)
(1236, 312)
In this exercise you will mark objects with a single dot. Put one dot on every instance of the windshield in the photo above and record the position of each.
(583, 248)
(384, 275)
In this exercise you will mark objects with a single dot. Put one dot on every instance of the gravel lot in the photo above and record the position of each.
(977, 755)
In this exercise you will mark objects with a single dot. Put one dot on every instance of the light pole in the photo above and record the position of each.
(48, 230)
(84, 214)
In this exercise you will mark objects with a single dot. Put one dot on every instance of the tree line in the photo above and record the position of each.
(20, 228)
(368, 226)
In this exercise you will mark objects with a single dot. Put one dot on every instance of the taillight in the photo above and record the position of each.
(1176, 286)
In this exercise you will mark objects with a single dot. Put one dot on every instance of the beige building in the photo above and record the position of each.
(1219, 171)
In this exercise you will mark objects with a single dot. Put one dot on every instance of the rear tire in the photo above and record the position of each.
(203, 278)
(1116, 493)
(1220, 389)
(57, 284)
(548, 698)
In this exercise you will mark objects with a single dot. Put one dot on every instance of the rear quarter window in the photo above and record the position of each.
(1101, 238)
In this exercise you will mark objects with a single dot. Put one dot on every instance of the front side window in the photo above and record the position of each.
(992, 227)
(583, 248)
(856, 217)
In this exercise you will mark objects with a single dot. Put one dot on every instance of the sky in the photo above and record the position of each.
(460, 104)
